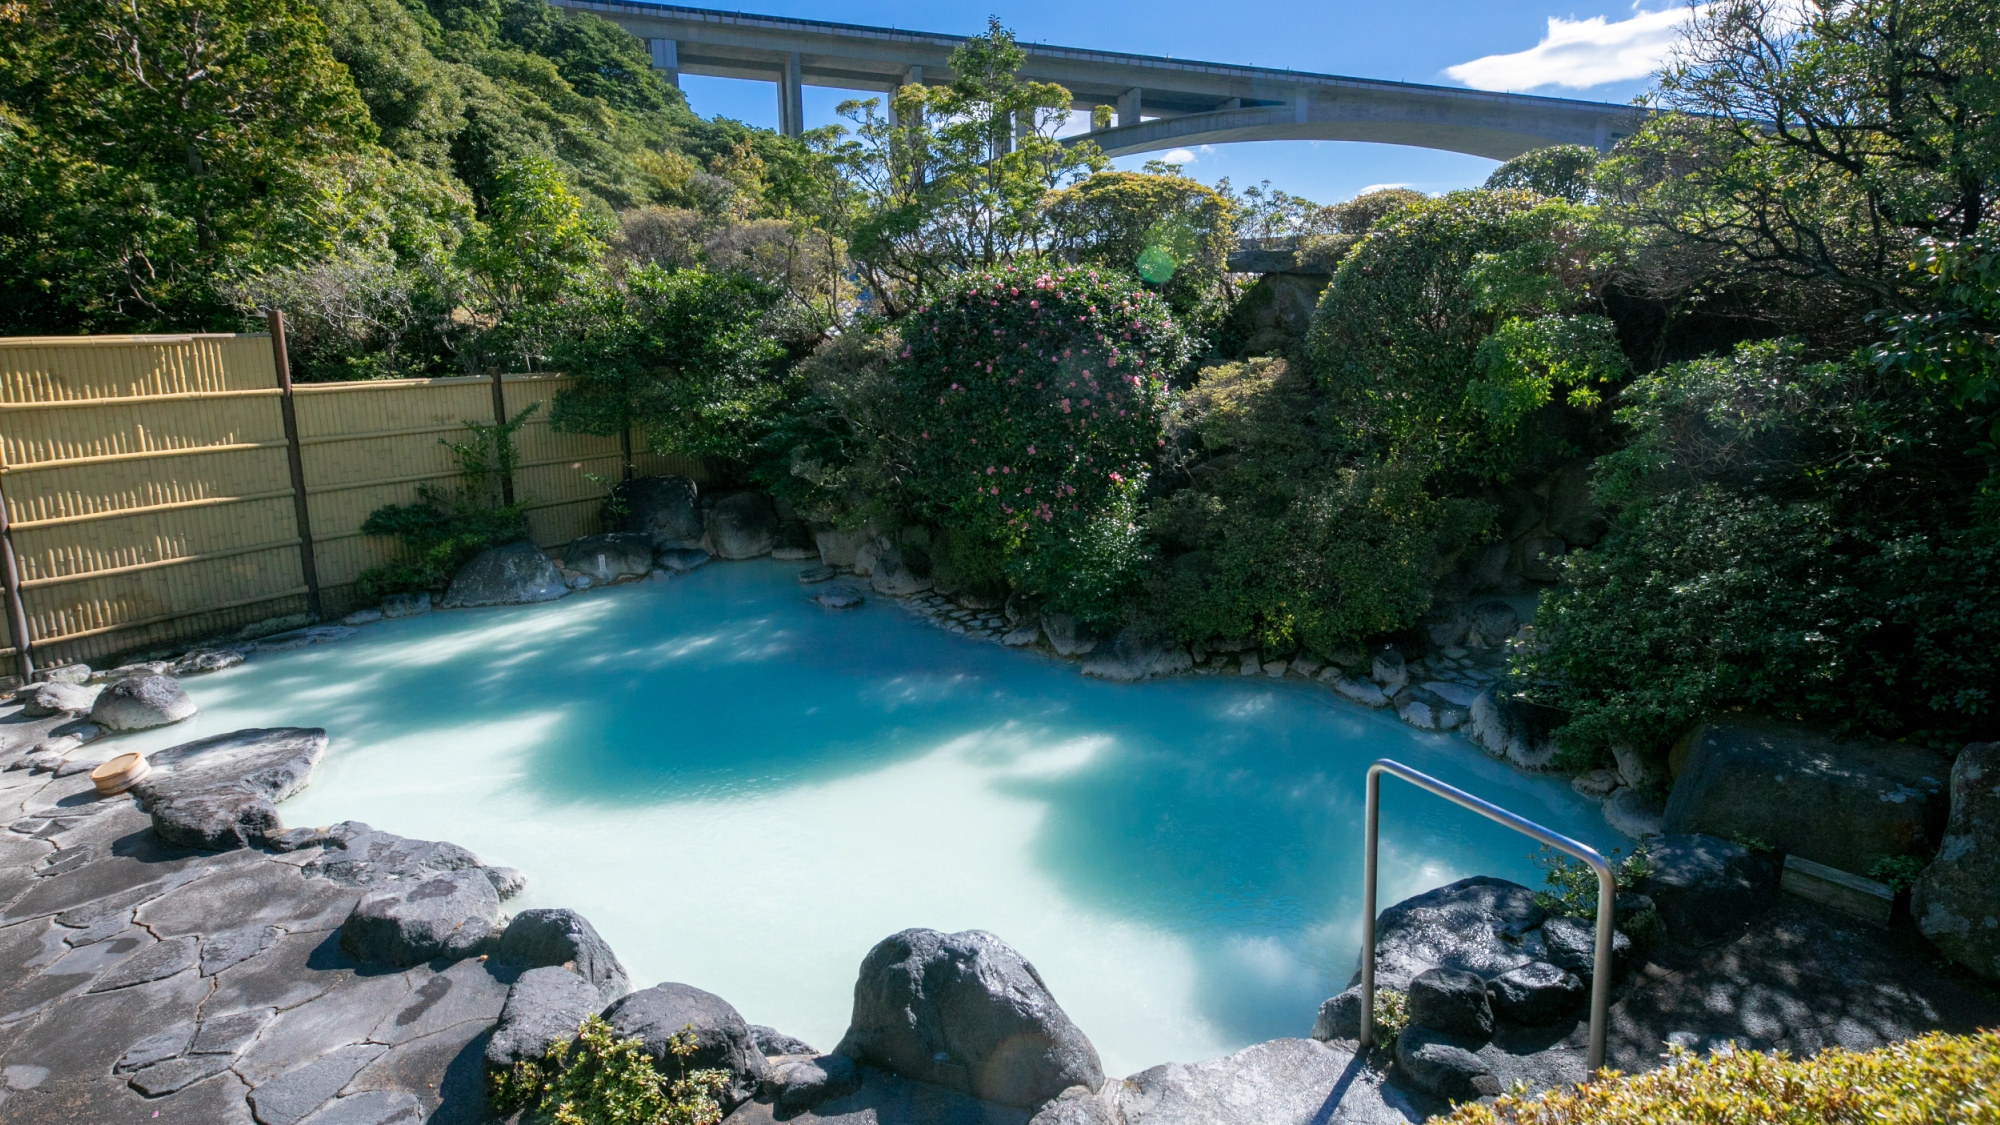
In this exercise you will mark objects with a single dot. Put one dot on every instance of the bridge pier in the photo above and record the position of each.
(666, 59)
(791, 99)
(1128, 106)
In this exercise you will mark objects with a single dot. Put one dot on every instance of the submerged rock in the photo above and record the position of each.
(516, 574)
(966, 1012)
(1956, 901)
(141, 703)
(816, 574)
(680, 560)
(841, 598)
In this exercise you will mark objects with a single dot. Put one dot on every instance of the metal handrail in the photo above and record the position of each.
(1607, 892)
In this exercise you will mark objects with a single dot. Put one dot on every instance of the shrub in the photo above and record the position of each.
(442, 531)
(1558, 171)
(1431, 346)
(1281, 537)
(1168, 231)
(1936, 1079)
(1028, 419)
(1573, 885)
(1799, 539)
(596, 1079)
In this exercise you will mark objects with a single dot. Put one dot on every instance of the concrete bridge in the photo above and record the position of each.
(1161, 103)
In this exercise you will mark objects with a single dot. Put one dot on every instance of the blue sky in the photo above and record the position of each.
(1568, 48)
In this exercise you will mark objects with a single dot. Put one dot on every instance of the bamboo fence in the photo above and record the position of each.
(160, 489)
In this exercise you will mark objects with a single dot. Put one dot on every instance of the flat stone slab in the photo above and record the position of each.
(273, 763)
(1280, 1082)
(885, 1099)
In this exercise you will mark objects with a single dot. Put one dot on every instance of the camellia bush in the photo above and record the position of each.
(1035, 402)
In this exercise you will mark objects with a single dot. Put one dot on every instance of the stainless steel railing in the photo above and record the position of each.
(1607, 891)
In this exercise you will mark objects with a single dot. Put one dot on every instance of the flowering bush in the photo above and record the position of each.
(1035, 402)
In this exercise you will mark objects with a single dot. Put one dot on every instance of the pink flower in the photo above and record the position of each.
(1115, 477)
(1005, 469)
(994, 491)
(1065, 406)
(989, 470)
(1034, 304)
(1031, 451)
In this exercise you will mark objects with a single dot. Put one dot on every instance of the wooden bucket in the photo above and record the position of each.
(120, 773)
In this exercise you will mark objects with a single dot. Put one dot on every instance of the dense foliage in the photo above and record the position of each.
(599, 1079)
(1277, 536)
(1800, 539)
(1033, 416)
(1934, 1079)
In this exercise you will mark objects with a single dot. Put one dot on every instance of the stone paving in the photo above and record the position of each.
(144, 983)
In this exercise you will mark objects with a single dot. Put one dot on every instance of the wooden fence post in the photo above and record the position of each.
(17, 615)
(285, 407)
(500, 419)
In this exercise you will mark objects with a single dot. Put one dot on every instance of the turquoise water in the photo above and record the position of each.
(745, 792)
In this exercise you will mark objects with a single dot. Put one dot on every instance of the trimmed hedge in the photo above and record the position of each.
(1938, 1078)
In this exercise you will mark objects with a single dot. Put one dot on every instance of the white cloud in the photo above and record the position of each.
(1580, 53)
(1379, 187)
(1179, 156)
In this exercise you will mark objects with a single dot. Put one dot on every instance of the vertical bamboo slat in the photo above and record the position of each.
(151, 503)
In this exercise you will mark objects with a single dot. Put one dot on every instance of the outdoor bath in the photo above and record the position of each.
(745, 792)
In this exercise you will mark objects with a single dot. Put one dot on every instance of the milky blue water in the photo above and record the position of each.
(745, 792)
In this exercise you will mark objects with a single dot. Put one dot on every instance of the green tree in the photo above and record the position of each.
(1170, 232)
(154, 148)
(1558, 171)
(952, 178)
(1816, 144)
(682, 354)
(537, 256)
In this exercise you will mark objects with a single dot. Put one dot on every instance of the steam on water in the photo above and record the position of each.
(745, 792)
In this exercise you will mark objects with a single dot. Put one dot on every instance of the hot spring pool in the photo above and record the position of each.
(745, 792)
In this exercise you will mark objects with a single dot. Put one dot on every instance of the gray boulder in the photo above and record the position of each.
(125, 671)
(204, 660)
(771, 1041)
(1431, 1061)
(1277, 1082)
(801, 1084)
(1535, 993)
(216, 821)
(840, 597)
(1453, 1002)
(1066, 636)
(545, 936)
(897, 573)
(543, 1007)
(665, 509)
(1571, 944)
(220, 792)
(1364, 692)
(271, 762)
(743, 526)
(355, 855)
(141, 703)
(1956, 900)
(1492, 623)
(1843, 804)
(1076, 1106)
(1339, 1016)
(1631, 812)
(1389, 669)
(516, 574)
(1706, 889)
(1476, 925)
(406, 605)
(56, 697)
(362, 617)
(722, 1040)
(449, 917)
(618, 557)
(837, 548)
(1509, 727)
(78, 673)
(966, 1012)
(1133, 656)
